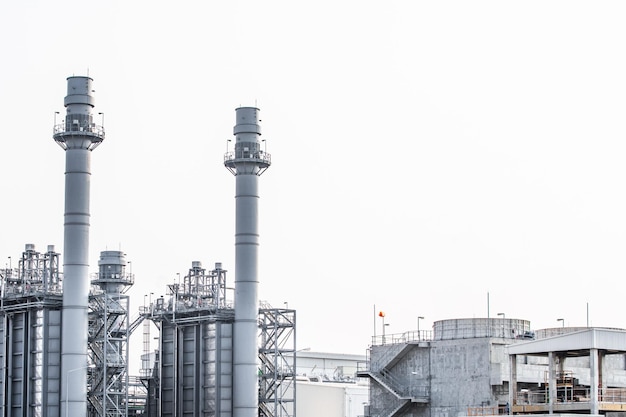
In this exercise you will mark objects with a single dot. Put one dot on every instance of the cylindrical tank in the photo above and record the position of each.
(480, 327)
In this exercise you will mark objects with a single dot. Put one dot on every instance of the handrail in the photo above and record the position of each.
(408, 336)
(386, 357)
(262, 156)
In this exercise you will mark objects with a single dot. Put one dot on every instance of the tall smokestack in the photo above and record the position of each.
(78, 135)
(247, 162)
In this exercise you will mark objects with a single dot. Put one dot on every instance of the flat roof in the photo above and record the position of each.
(577, 343)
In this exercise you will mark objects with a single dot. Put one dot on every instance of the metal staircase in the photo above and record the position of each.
(380, 370)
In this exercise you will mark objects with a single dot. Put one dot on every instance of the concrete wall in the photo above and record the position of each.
(459, 374)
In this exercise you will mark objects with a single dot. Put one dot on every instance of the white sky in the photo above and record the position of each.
(424, 154)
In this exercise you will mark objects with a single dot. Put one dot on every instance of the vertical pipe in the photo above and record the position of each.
(78, 136)
(247, 162)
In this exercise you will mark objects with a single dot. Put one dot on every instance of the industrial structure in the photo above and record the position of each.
(109, 332)
(78, 136)
(30, 335)
(216, 358)
(247, 162)
(64, 349)
(491, 366)
(64, 336)
(327, 384)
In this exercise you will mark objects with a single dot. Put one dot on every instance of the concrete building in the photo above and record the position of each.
(327, 385)
(584, 371)
(327, 366)
(463, 368)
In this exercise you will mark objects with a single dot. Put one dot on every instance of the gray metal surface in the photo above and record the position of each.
(109, 332)
(194, 367)
(246, 162)
(30, 336)
(78, 135)
(277, 354)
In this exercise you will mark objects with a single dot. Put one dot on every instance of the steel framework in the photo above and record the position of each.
(277, 356)
(109, 331)
(30, 336)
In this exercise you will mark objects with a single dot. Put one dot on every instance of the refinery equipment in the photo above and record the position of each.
(109, 331)
(31, 304)
(216, 358)
(64, 345)
(30, 335)
(78, 135)
(193, 372)
(44, 326)
(193, 369)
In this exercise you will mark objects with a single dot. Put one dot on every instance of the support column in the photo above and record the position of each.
(551, 382)
(512, 382)
(594, 379)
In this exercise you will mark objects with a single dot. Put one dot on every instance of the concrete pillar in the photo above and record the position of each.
(512, 382)
(594, 385)
(551, 382)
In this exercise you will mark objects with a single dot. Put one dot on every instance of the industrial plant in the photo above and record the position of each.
(64, 333)
(493, 366)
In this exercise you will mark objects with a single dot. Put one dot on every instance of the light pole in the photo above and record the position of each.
(418, 327)
(67, 386)
(562, 322)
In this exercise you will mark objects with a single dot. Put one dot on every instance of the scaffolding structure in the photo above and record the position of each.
(109, 332)
(277, 357)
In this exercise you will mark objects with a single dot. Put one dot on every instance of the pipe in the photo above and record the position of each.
(78, 135)
(247, 162)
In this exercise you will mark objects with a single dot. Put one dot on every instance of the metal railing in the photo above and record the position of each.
(392, 410)
(260, 156)
(93, 128)
(410, 336)
(612, 395)
(491, 410)
(386, 357)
